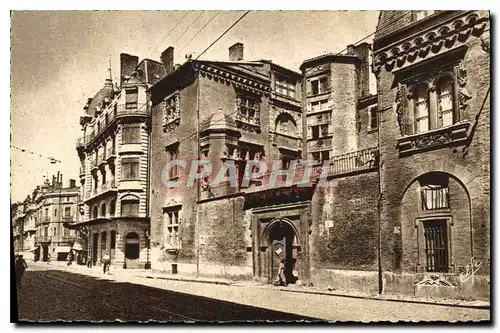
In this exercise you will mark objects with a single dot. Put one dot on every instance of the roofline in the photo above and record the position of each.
(290, 71)
(335, 57)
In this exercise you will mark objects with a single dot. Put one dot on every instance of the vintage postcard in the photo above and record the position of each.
(250, 166)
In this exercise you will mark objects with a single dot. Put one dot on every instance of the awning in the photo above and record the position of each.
(77, 247)
(63, 249)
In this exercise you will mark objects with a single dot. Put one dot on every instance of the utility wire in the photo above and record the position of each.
(197, 33)
(225, 32)
(179, 22)
(189, 27)
(52, 159)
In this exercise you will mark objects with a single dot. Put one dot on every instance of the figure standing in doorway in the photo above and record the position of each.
(281, 278)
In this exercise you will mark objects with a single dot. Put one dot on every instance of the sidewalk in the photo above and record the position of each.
(96, 271)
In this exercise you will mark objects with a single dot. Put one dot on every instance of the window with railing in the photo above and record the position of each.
(131, 98)
(436, 245)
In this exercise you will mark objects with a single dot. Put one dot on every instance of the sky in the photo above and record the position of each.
(60, 58)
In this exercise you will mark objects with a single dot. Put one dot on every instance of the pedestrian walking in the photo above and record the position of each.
(21, 266)
(89, 262)
(70, 258)
(48, 258)
(106, 260)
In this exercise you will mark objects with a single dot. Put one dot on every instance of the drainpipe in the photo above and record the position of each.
(198, 183)
(148, 182)
(379, 208)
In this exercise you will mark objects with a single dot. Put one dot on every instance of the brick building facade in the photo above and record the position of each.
(433, 75)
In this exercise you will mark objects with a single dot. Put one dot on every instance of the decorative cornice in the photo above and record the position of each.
(239, 81)
(430, 42)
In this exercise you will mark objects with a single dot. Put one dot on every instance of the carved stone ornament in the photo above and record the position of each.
(432, 140)
(171, 125)
(463, 93)
(398, 106)
(436, 40)
(435, 280)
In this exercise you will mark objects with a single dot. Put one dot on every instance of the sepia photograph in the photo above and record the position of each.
(250, 166)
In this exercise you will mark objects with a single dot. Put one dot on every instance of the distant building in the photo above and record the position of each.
(433, 74)
(51, 206)
(18, 216)
(114, 166)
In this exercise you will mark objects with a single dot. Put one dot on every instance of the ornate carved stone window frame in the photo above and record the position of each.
(170, 122)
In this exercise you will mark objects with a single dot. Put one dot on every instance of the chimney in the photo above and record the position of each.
(236, 52)
(362, 51)
(128, 64)
(167, 59)
(72, 183)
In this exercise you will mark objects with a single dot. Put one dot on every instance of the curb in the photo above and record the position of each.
(480, 307)
(376, 298)
(223, 283)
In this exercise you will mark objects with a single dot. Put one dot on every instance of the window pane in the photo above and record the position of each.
(422, 109)
(445, 101)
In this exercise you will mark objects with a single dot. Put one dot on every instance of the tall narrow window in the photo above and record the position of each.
(172, 223)
(436, 245)
(112, 207)
(373, 117)
(131, 98)
(172, 155)
(422, 109)
(444, 91)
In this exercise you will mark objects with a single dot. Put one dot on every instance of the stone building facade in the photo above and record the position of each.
(114, 167)
(433, 80)
(52, 206)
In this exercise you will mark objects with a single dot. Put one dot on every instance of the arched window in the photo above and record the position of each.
(94, 212)
(130, 206)
(103, 210)
(422, 109)
(285, 124)
(444, 90)
(112, 207)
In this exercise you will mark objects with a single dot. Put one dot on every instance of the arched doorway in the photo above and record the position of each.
(282, 247)
(132, 249)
